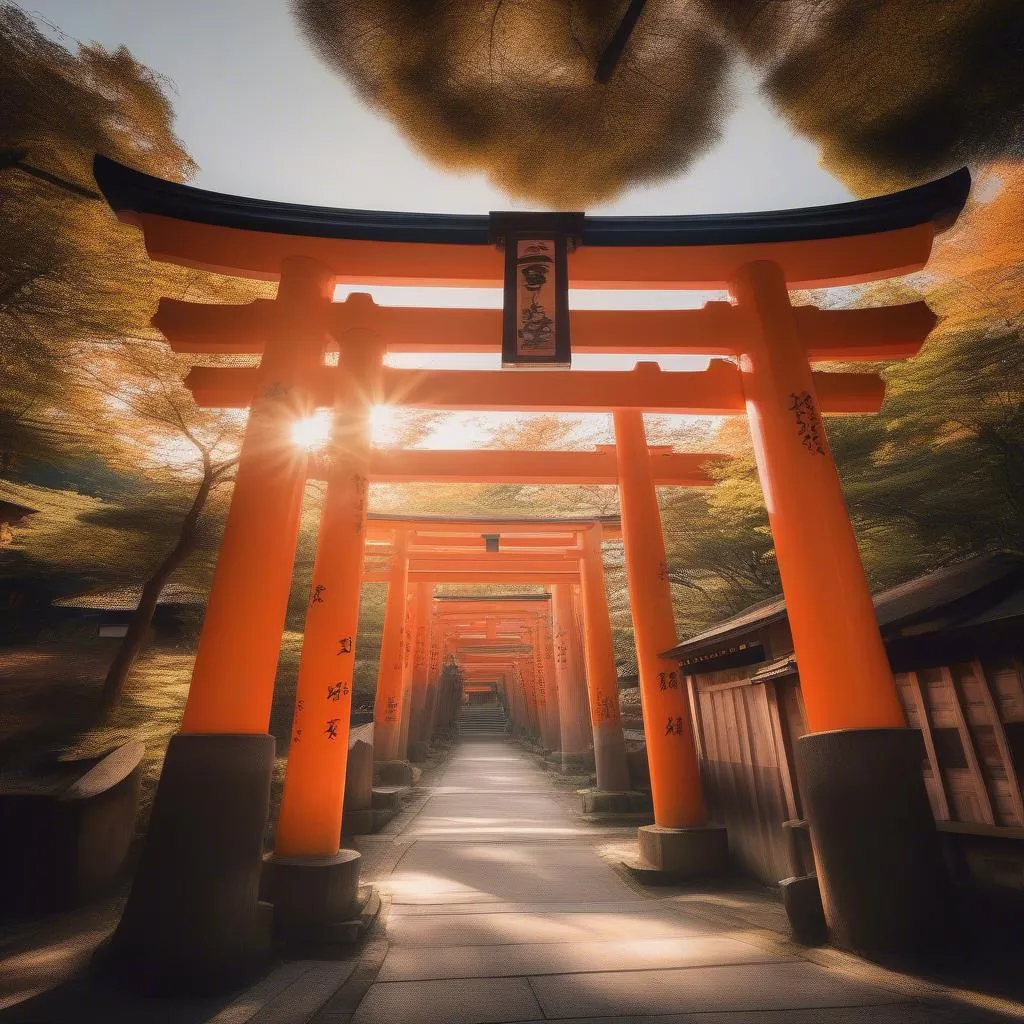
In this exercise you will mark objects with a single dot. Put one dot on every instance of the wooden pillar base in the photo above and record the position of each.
(879, 862)
(685, 852)
(310, 894)
(193, 922)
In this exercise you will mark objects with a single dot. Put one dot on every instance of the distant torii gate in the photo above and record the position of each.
(578, 560)
(196, 914)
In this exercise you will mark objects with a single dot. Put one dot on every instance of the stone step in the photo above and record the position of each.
(389, 797)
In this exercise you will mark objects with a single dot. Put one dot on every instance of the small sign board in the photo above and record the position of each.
(535, 328)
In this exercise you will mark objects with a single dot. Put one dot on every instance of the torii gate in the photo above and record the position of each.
(860, 766)
(578, 560)
(520, 613)
(481, 654)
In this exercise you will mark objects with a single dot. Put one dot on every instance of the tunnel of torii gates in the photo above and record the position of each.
(194, 909)
(546, 691)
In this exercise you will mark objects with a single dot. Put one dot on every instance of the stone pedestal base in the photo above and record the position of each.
(309, 894)
(393, 773)
(572, 764)
(193, 922)
(802, 899)
(601, 801)
(879, 862)
(418, 751)
(685, 852)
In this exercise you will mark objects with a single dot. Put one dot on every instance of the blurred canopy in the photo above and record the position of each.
(509, 87)
(892, 92)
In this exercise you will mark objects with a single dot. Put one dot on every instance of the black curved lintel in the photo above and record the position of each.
(938, 202)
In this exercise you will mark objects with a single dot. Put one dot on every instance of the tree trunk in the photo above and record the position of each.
(135, 639)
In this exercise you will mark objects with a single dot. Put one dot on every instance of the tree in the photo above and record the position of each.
(85, 377)
(169, 438)
(68, 273)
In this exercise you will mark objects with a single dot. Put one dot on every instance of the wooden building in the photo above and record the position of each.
(107, 613)
(955, 640)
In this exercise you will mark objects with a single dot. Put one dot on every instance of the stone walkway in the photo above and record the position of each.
(500, 903)
(501, 908)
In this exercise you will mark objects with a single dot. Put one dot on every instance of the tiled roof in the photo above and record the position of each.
(11, 511)
(126, 599)
(970, 591)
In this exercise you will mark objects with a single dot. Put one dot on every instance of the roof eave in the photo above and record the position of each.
(937, 202)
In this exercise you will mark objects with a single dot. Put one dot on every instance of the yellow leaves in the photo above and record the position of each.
(978, 266)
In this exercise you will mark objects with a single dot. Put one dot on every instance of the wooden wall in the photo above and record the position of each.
(746, 765)
(971, 716)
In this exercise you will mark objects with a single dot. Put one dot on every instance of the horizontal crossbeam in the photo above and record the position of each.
(669, 468)
(458, 576)
(885, 332)
(713, 392)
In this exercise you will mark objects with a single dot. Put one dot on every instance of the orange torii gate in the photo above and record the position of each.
(576, 734)
(534, 650)
(464, 567)
(580, 563)
(860, 767)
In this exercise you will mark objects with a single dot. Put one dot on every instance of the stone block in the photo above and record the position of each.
(358, 822)
(802, 899)
(685, 852)
(359, 771)
(389, 798)
(601, 801)
(394, 773)
(310, 893)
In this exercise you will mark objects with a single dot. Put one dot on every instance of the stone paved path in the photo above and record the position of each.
(499, 906)
(502, 909)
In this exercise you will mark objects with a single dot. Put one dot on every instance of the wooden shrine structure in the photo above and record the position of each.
(193, 911)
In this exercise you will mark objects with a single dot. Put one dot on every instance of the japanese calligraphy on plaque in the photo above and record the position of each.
(536, 316)
(535, 298)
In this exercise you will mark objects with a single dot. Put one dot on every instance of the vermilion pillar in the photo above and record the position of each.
(576, 735)
(528, 678)
(550, 677)
(408, 656)
(602, 679)
(233, 678)
(314, 784)
(671, 752)
(537, 675)
(845, 677)
(419, 727)
(878, 859)
(387, 710)
(434, 666)
(193, 919)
